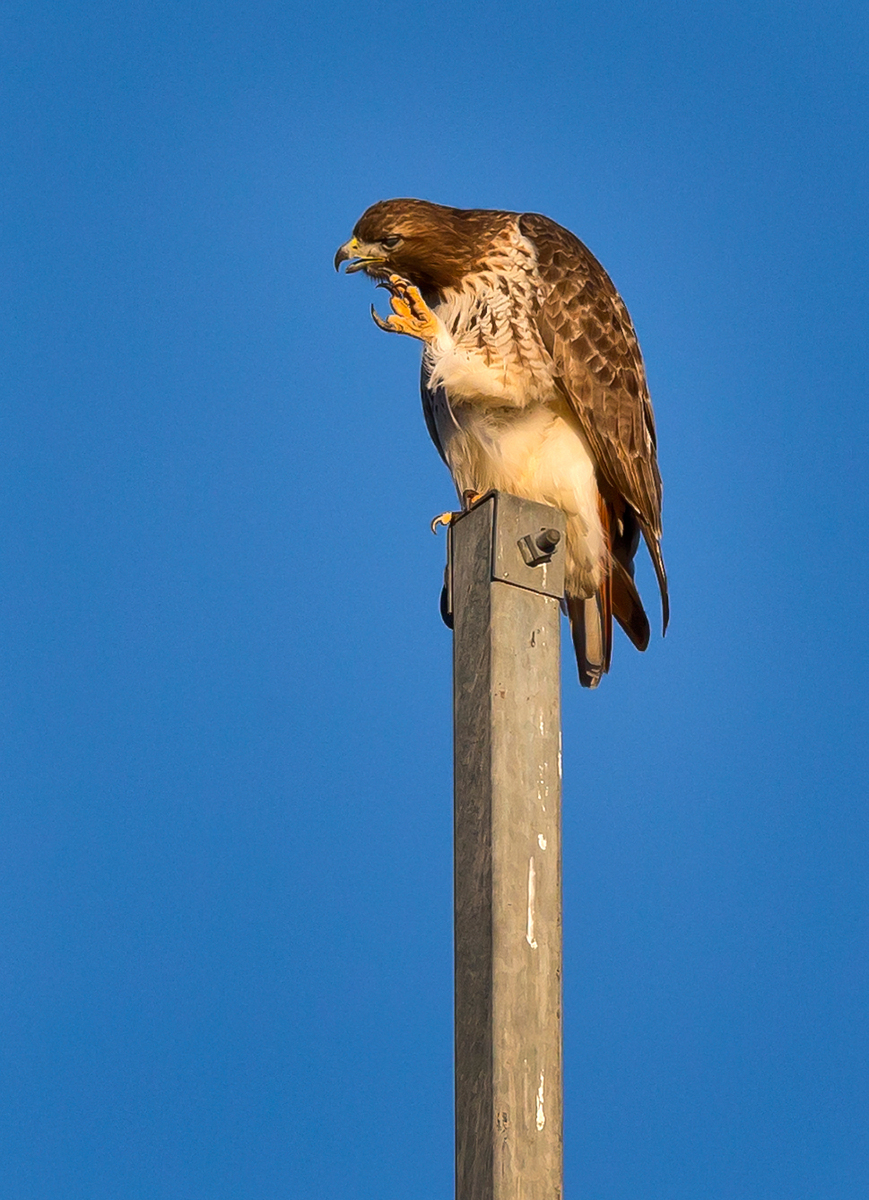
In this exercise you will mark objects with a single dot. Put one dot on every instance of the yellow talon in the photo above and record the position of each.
(410, 313)
(469, 499)
(445, 518)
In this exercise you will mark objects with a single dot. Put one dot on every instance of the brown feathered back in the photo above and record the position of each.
(587, 329)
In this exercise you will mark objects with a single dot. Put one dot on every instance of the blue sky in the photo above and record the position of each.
(226, 809)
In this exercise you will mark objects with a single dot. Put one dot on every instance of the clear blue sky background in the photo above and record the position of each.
(226, 817)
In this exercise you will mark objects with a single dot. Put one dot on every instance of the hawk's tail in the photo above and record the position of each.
(591, 620)
(592, 636)
(628, 607)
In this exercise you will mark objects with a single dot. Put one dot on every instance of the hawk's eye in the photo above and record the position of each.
(389, 243)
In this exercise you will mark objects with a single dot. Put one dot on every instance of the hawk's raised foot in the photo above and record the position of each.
(469, 499)
(410, 313)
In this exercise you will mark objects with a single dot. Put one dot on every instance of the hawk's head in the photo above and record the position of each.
(430, 245)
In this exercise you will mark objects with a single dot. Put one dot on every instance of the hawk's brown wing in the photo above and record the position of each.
(587, 330)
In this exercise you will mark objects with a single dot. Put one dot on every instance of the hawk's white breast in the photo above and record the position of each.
(501, 419)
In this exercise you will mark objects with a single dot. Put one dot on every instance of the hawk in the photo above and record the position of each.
(532, 383)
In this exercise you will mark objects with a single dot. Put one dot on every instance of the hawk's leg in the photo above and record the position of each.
(410, 313)
(469, 499)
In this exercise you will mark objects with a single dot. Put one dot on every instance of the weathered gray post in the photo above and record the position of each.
(505, 580)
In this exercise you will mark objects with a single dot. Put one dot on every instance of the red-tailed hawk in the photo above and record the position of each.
(532, 383)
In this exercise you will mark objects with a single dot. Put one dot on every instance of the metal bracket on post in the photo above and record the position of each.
(505, 581)
(516, 554)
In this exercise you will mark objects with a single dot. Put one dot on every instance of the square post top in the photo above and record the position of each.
(528, 542)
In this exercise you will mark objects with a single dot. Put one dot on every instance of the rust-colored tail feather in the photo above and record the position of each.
(591, 620)
(628, 607)
(589, 638)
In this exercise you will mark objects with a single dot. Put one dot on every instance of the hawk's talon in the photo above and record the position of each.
(445, 518)
(379, 321)
(469, 499)
(410, 313)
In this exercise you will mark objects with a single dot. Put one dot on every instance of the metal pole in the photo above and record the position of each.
(505, 579)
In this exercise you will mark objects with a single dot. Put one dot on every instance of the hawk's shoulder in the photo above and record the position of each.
(587, 330)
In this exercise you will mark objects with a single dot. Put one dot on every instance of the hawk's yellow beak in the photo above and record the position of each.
(354, 255)
(346, 252)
